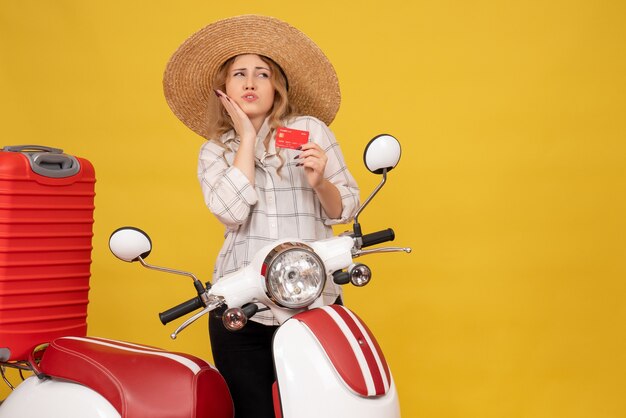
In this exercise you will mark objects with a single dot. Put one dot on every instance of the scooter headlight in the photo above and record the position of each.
(294, 275)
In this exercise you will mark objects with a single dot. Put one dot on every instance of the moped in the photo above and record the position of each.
(327, 361)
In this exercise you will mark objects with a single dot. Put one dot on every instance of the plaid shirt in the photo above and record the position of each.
(280, 205)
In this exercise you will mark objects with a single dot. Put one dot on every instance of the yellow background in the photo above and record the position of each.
(510, 189)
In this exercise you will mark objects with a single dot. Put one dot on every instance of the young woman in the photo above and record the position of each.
(236, 82)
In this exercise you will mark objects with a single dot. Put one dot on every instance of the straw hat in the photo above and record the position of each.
(187, 82)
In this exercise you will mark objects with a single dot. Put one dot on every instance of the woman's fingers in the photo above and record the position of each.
(229, 105)
(311, 149)
(241, 122)
(313, 159)
(313, 154)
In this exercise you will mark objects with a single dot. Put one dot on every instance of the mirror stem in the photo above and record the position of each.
(167, 270)
(357, 226)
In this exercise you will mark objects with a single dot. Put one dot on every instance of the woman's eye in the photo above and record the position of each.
(238, 74)
(264, 75)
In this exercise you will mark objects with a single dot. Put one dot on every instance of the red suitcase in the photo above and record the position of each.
(46, 228)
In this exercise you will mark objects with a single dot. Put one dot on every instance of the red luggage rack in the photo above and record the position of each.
(46, 229)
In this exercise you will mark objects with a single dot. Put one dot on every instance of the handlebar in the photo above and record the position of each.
(181, 310)
(378, 237)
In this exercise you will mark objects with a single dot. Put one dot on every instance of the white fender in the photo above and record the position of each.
(35, 398)
(310, 387)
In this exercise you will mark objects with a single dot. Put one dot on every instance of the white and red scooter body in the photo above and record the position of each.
(328, 364)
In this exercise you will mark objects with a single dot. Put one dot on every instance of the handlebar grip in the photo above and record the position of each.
(180, 310)
(378, 237)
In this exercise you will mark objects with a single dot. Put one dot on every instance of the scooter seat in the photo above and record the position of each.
(140, 381)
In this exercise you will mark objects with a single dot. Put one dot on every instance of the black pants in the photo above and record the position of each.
(244, 358)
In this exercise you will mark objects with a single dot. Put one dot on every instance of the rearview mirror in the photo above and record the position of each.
(130, 244)
(381, 155)
(382, 152)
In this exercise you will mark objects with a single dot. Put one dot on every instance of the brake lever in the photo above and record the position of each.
(359, 253)
(214, 303)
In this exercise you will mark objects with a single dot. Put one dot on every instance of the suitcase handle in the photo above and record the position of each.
(31, 148)
(47, 161)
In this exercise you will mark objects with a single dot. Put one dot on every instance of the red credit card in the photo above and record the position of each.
(291, 138)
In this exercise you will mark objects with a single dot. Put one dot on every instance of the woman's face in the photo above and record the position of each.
(248, 84)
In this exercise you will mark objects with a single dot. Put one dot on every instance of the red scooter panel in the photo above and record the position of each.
(351, 348)
(140, 381)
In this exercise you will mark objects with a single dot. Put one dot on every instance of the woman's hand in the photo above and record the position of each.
(313, 159)
(241, 122)
(244, 157)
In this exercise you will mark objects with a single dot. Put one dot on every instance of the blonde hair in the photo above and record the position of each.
(219, 121)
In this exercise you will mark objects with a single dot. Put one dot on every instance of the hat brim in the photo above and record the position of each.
(187, 82)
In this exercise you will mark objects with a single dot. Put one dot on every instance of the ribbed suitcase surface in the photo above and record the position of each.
(46, 228)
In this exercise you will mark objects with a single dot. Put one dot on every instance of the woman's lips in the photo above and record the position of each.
(249, 97)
